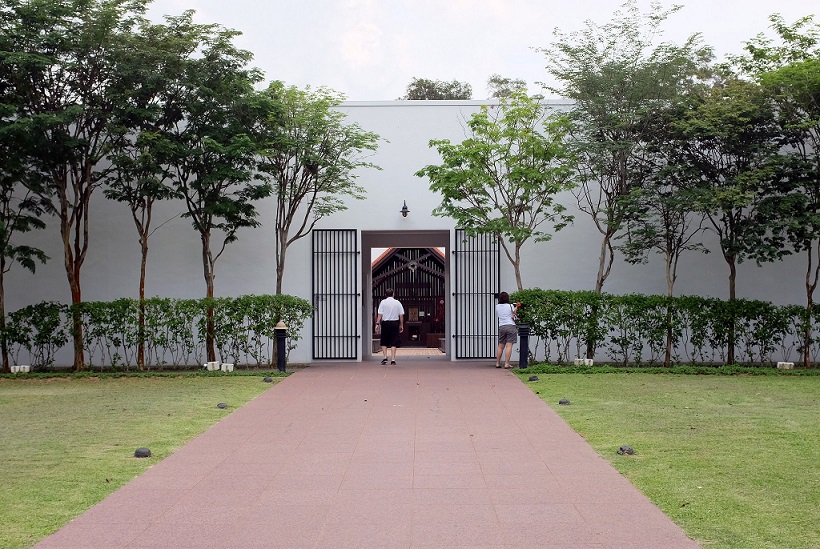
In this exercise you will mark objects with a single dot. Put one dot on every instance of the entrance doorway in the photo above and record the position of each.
(417, 277)
(416, 265)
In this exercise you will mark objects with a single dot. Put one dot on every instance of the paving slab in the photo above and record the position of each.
(425, 454)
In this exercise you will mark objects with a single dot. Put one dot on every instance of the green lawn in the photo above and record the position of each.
(735, 460)
(69, 442)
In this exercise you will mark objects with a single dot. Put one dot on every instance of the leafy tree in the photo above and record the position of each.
(423, 88)
(312, 158)
(662, 215)
(210, 152)
(661, 218)
(21, 208)
(504, 177)
(500, 87)
(789, 71)
(62, 61)
(618, 79)
(726, 150)
(797, 42)
(148, 110)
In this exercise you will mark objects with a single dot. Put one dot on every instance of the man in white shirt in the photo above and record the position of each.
(390, 323)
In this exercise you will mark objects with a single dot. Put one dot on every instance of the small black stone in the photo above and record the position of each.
(142, 453)
(533, 378)
(625, 450)
(221, 405)
(564, 401)
(268, 380)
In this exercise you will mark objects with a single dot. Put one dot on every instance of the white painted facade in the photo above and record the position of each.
(568, 262)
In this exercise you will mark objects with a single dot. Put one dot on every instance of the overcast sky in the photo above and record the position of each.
(371, 49)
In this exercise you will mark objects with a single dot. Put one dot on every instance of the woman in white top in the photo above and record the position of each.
(507, 330)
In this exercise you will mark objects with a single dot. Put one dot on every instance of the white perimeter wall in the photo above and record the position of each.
(568, 262)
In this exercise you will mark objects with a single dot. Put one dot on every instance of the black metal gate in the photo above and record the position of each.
(477, 283)
(335, 294)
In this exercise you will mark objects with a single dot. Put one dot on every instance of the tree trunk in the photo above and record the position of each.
(730, 352)
(74, 232)
(209, 328)
(517, 266)
(604, 268)
(807, 332)
(77, 324)
(4, 343)
(72, 267)
(281, 252)
(671, 276)
(141, 321)
(514, 257)
(604, 262)
(811, 284)
(667, 356)
(208, 272)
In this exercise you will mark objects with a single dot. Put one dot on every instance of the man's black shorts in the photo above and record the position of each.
(390, 333)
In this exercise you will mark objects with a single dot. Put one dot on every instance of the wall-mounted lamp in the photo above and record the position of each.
(405, 210)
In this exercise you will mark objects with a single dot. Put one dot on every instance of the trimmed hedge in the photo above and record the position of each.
(633, 329)
(627, 329)
(174, 332)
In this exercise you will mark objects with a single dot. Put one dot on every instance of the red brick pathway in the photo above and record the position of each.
(425, 454)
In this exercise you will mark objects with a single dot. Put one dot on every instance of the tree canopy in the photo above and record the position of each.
(21, 207)
(789, 217)
(63, 61)
(618, 78)
(312, 159)
(212, 155)
(504, 177)
(500, 87)
(426, 89)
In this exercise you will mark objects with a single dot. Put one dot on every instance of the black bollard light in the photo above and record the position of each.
(281, 336)
(523, 345)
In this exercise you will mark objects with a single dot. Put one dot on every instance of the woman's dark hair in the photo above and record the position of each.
(503, 297)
